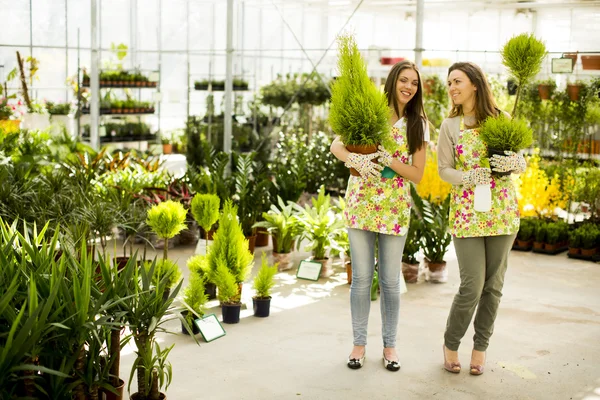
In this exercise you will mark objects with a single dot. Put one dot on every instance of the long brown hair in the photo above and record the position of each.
(485, 105)
(414, 111)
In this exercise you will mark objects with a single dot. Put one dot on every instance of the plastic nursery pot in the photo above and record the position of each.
(194, 327)
(231, 313)
(360, 149)
(492, 152)
(261, 306)
(108, 395)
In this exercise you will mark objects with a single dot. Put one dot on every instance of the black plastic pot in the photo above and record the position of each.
(194, 327)
(211, 290)
(231, 313)
(492, 152)
(261, 306)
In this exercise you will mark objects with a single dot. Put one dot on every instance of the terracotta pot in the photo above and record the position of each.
(551, 247)
(326, 267)
(284, 260)
(588, 252)
(410, 272)
(572, 56)
(574, 250)
(590, 61)
(167, 148)
(436, 272)
(525, 244)
(538, 245)
(108, 395)
(573, 91)
(544, 91)
(348, 265)
(251, 243)
(262, 237)
(360, 149)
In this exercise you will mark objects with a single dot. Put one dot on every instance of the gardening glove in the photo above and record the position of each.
(385, 158)
(362, 163)
(477, 176)
(510, 162)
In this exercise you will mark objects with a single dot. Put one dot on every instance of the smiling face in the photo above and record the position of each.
(407, 85)
(462, 91)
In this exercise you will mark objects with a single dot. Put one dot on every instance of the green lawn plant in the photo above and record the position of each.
(167, 219)
(205, 209)
(229, 250)
(359, 112)
(264, 281)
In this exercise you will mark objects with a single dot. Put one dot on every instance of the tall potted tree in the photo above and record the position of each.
(358, 112)
(166, 219)
(228, 257)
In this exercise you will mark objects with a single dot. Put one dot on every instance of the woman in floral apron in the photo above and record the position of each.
(378, 207)
(482, 240)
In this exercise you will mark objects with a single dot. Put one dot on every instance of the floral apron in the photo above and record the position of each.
(381, 205)
(503, 218)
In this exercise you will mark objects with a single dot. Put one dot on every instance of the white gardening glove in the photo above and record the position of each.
(385, 158)
(511, 162)
(363, 164)
(477, 176)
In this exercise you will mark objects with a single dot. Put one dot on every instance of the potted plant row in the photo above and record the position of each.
(584, 242)
(550, 237)
(112, 79)
(123, 107)
(219, 85)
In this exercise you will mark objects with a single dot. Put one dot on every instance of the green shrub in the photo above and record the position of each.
(359, 112)
(502, 133)
(168, 269)
(575, 239)
(540, 231)
(264, 280)
(205, 210)
(552, 233)
(526, 230)
(590, 235)
(226, 283)
(195, 298)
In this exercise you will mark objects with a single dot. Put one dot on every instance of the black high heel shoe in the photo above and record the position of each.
(356, 363)
(391, 365)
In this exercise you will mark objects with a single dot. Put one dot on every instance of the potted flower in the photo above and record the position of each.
(522, 55)
(574, 89)
(229, 259)
(205, 210)
(284, 227)
(263, 283)
(410, 264)
(358, 112)
(320, 226)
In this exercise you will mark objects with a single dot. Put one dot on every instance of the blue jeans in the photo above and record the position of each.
(362, 249)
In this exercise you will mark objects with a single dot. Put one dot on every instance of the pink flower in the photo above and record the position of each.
(465, 194)
(396, 229)
(377, 207)
(379, 191)
(394, 210)
(398, 182)
(493, 184)
(476, 154)
(459, 149)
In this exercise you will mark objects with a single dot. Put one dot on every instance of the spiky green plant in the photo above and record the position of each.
(194, 298)
(228, 292)
(502, 133)
(167, 219)
(166, 268)
(359, 112)
(523, 55)
(205, 209)
(230, 247)
(264, 280)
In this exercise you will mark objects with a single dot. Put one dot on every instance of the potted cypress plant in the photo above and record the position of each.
(205, 209)
(358, 112)
(198, 265)
(229, 257)
(574, 242)
(283, 225)
(263, 283)
(166, 219)
(522, 55)
(194, 298)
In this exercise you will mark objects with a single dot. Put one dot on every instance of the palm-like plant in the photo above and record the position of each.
(283, 225)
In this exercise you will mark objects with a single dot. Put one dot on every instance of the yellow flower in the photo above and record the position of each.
(432, 186)
(538, 194)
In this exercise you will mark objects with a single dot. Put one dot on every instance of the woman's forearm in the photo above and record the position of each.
(338, 149)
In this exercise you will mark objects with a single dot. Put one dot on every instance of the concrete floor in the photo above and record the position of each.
(546, 343)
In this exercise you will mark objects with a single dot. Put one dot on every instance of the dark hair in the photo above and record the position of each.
(485, 105)
(414, 111)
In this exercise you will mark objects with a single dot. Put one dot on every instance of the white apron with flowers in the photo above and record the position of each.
(503, 218)
(381, 205)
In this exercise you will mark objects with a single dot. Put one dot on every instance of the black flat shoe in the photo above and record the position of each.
(391, 365)
(356, 363)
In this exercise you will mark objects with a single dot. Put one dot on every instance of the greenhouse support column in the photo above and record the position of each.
(94, 83)
(419, 36)
(228, 78)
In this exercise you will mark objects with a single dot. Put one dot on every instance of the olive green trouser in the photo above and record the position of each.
(482, 263)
